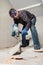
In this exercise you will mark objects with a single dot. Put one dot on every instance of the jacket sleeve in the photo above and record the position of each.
(28, 25)
(15, 22)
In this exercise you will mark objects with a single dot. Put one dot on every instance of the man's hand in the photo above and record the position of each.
(15, 30)
(24, 31)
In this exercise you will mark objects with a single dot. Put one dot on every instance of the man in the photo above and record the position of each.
(28, 20)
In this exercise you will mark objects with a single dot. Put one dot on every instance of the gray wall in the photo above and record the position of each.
(23, 3)
(6, 40)
(38, 11)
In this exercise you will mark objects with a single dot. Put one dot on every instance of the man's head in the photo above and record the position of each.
(13, 13)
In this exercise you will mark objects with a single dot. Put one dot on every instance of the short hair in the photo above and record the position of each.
(12, 11)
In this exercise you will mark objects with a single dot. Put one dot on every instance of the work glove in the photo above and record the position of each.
(15, 30)
(24, 31)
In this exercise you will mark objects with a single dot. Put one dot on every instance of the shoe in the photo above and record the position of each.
(27, 42)
(37, 47)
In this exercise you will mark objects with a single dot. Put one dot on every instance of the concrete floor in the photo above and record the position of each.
(29, 57)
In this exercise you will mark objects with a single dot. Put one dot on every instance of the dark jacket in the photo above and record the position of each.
(25, 18)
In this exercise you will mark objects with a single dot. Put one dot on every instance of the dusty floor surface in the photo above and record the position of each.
(29, 57)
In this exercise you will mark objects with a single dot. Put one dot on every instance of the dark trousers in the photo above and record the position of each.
(34, 35)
